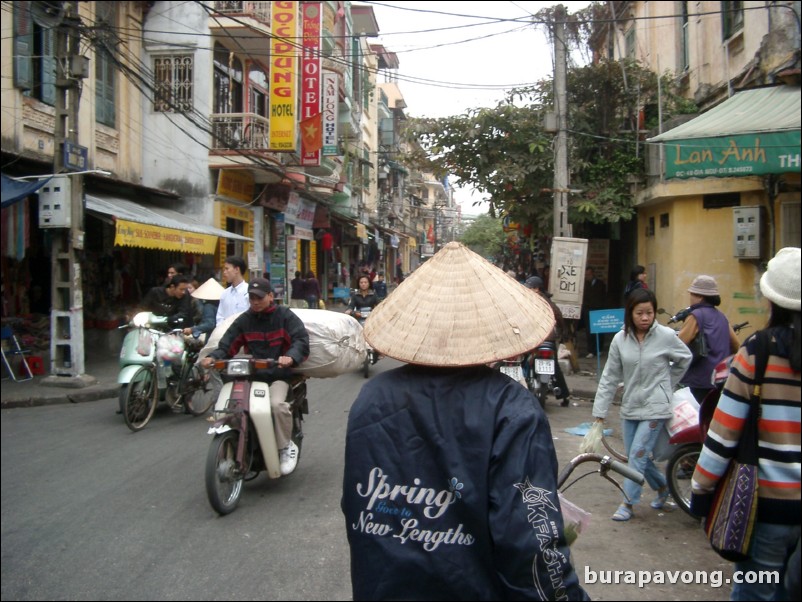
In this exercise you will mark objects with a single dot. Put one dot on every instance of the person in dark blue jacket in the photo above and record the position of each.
(450, 478)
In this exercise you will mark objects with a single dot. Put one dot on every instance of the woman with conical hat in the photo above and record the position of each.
(208, 296)
(449, 488)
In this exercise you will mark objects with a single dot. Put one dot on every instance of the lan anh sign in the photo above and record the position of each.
(732, 156)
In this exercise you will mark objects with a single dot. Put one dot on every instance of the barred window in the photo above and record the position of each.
(173, 83)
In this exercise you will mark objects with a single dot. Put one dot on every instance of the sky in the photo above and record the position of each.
(454, 56)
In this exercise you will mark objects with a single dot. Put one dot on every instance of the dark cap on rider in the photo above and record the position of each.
(259, 287)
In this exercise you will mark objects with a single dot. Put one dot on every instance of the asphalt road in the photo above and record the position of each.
(91, 511)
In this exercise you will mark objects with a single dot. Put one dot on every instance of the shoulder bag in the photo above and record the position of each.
(731, 520)
(698, 345)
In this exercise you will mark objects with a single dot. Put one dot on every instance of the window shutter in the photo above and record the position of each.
(23, 46)
(49, 66)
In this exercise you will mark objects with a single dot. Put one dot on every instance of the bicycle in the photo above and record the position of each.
(194, 391)
(156, 380)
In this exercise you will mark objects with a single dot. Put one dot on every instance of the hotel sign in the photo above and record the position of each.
(283, 77)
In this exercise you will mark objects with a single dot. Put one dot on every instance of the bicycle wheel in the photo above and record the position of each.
(223, 480)
(196, 390)
(679, 472)
(140, 398)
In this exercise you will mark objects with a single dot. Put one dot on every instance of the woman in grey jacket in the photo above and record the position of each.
(650, 360)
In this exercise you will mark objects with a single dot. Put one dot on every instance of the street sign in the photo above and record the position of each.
(606, 320)
(75, 156)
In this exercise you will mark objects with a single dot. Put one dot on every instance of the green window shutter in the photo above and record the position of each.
(49, 66)
(23, 46)
(104, 89)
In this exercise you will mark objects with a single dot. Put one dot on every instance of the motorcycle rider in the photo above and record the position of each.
(364, 297)
(170, 300)
(269, 331)
(707, 321)
(536, 283)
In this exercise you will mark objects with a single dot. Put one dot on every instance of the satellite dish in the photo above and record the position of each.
(47, 14)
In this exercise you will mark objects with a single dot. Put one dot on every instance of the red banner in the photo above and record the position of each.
(311, 125)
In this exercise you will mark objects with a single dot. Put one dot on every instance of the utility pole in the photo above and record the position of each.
(66, 315)
(561, 227)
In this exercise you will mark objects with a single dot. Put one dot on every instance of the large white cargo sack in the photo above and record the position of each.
(336, 344)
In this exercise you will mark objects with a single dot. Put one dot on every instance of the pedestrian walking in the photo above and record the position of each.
(650, 360)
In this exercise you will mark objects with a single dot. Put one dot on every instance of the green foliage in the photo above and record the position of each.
(485, 236)
(506, 153)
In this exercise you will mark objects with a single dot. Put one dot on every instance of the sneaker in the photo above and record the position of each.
(590, 356)
(288, 458)
(565, 402)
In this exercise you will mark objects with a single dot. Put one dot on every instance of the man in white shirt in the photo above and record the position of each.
(235, 298)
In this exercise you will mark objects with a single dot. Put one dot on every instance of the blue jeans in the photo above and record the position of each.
(640, 437)
(772, 546)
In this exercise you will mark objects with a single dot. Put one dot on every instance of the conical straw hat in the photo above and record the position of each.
(458, 309)
(209, 290)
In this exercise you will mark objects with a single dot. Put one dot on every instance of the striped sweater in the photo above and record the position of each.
(778, 433)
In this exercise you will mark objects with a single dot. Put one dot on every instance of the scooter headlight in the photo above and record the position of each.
(141, 319)
(238, 367)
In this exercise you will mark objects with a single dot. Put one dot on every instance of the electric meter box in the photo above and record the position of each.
(747, 232)
(55, 210)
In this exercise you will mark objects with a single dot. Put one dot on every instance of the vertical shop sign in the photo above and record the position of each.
(330, 114)
(567, 275)
(278, 259)
(311, 118)
(283, 76)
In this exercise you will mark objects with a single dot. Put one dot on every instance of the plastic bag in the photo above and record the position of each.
(685, 411)
(145, 343)
(575, 519)
(592, 442)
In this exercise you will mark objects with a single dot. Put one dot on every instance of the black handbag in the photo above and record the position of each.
(698, 345)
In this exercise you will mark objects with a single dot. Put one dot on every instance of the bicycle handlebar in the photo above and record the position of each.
(606, 463)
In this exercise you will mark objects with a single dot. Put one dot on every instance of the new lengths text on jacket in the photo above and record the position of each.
(650, 370)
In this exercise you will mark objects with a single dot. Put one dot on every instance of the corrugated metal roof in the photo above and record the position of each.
(153, 216)
(760, 110)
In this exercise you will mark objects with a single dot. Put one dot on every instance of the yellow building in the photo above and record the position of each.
(693, 216)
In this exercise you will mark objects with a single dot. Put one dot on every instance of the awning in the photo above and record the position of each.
(756, 132)
(16, 190)
(157, 228)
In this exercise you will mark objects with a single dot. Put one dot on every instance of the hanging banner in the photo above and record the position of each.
(567, 275)
(135, 234)
(283, 76)
(311, 122)
(330, 99)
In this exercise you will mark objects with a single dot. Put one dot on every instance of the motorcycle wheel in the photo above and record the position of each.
(140, 399)
(196, 390)
(223, 482)
(679, 471)
(537, 390)
(366, 366)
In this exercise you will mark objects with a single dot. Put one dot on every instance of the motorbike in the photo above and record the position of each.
(686, 444)
(245, 445)
(540, 373)
(150, 344)
(361, 314)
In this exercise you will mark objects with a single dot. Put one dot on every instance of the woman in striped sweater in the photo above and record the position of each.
(777, 527)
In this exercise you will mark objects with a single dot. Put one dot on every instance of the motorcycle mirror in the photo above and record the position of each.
(661, 311)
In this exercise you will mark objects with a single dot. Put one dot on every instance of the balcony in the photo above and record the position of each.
(240, 23)
(242, 134)
(256, 10)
